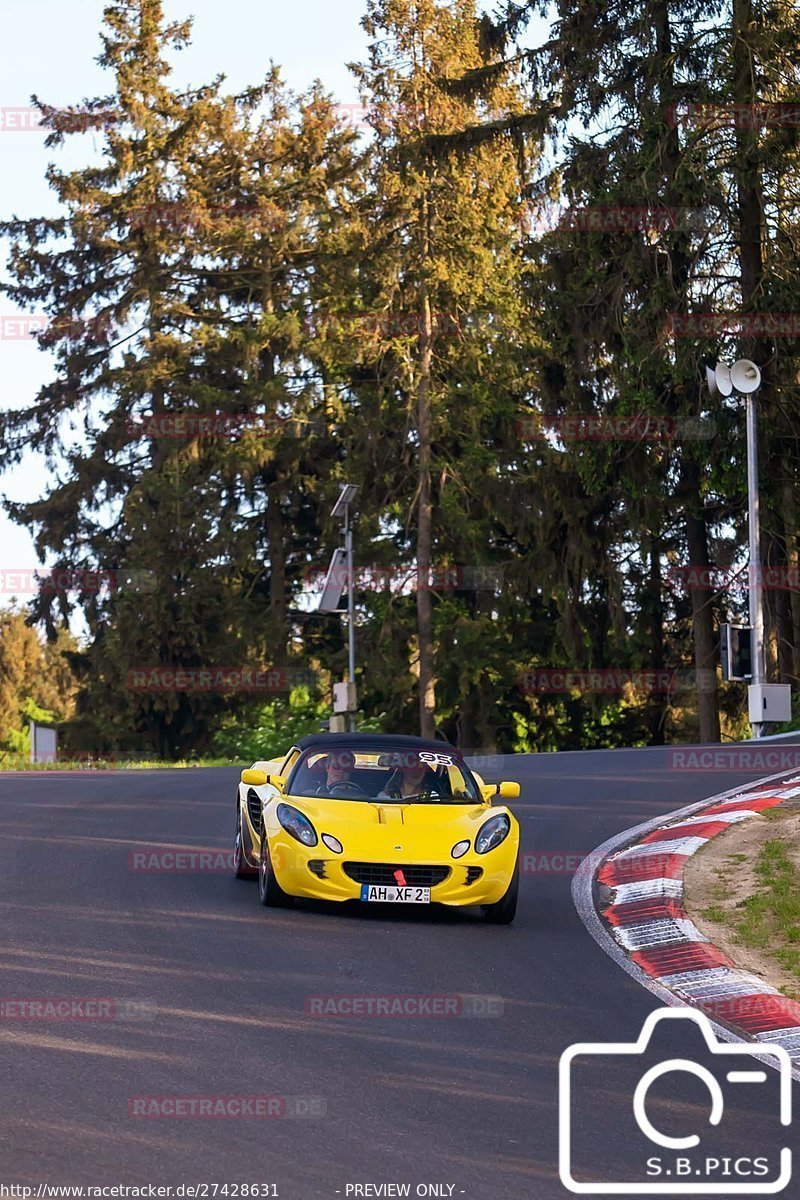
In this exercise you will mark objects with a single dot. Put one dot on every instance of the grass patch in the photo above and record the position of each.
(15, 763)
(770, 918)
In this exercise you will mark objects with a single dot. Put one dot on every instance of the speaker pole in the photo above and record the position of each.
(756, 574)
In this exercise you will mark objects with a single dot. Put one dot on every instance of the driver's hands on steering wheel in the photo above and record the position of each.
(348, 786)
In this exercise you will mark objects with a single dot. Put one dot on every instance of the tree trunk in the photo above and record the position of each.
(653, 607)
(279, 632)
(278, 624)
(427, 683)
(705, 650)
(705, 647)
(427, 687)
(789, 513)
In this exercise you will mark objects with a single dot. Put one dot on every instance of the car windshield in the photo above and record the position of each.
(396, 774)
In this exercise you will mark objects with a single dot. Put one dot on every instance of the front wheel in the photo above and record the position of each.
(270, 892)
(504, 911)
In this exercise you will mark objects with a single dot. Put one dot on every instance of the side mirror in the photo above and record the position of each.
(254, 778)
(506, 791)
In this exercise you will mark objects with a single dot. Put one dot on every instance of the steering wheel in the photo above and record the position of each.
(347, 786)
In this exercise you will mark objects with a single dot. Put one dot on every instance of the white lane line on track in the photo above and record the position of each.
(583, 898)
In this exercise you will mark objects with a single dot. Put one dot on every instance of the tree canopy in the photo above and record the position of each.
(493, 310)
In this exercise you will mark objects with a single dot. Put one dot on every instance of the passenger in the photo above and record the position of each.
(411, 778)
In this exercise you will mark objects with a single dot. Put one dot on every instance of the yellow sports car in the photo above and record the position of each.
(380, 819)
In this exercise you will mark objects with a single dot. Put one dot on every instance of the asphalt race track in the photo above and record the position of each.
(466, 1102)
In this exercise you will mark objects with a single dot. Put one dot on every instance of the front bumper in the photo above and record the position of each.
(290, 864)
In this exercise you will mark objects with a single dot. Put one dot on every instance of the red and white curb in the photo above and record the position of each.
(645, 926)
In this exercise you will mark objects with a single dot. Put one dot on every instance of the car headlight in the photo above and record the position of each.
(332, 843)
(460, 849)
(297, 825)
(495, 831)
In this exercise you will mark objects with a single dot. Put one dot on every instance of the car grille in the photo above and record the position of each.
(317, 867)
(254, 810)
(474, 874)
(383, 874)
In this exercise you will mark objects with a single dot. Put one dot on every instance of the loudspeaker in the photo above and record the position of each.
(719, 379)
(745, 376)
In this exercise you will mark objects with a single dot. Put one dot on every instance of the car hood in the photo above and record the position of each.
(425, 824)
(386, 812)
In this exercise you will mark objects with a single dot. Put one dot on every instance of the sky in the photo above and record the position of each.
(50, 49)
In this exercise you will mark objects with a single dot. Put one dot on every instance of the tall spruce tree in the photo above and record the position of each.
(173, 283)
(628, 82)
(440, 289)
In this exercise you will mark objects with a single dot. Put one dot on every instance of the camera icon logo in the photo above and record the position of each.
(676, 1171)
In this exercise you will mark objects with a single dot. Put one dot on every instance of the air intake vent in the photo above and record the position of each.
(254, 810)
(384, 874)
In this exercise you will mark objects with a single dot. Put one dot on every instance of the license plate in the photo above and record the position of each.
(395, 895)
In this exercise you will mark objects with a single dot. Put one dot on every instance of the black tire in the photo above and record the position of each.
(241, 868)
(270, 892)
(504, 911)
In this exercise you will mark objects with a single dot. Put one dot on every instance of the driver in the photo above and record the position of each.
(337, 773)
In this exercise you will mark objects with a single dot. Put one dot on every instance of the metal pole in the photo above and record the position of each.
(351, 623)
(756, 592)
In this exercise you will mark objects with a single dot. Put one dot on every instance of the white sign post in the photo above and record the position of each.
(44, 743)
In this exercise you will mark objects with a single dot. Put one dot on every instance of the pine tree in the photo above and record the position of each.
(628, 82)
(128, 278)
(438, 295)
